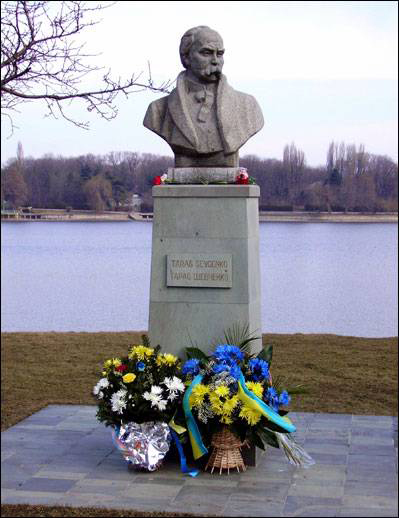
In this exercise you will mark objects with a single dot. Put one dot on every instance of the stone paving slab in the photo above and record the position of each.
(62, 455)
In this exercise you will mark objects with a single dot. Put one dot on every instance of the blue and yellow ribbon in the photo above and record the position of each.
(197, 445)
(255, 403)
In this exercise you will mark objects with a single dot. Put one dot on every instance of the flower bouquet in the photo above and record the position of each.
(138, 396)
(230, 402)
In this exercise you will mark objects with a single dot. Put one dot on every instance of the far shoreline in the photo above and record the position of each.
(268, 217)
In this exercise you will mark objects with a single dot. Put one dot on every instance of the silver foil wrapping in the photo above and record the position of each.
(144, 445)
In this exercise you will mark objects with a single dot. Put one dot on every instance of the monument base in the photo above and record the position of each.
(202, 175)
(205, 274)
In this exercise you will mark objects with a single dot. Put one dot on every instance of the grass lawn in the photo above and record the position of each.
(341, 374)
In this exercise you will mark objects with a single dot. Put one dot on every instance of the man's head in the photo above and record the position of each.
(201, 53)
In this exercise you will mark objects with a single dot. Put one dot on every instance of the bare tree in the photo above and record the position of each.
(41, 59)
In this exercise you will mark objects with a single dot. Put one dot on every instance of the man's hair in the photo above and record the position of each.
(187, 41)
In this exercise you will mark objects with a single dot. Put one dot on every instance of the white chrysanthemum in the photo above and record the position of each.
(174, 385)
(155, 397)
(118, 401)
(103, 383)
(161, 404)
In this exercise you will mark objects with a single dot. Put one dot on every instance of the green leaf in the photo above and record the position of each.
(195, 352)
(145, 341)
(257, 440)
(268, 437)
(239, 335)
(266, 354)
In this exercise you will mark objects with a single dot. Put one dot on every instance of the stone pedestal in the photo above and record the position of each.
(205, 274)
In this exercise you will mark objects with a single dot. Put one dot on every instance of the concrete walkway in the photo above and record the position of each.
(62, 456)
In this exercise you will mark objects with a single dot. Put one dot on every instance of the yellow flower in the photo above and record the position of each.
(104, 373)
(226, 419)
(222, 391)
(216, 404)
(129, 377)
(198, 394)
(256, 388)
(107, 364)
(229, 405)
(252, 416)
(166, 359)
(116, 362)
(140, 352)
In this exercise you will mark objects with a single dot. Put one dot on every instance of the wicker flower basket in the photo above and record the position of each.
(226, 452)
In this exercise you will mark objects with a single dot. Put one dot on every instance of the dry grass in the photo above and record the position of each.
(342, 374)
(43, 510)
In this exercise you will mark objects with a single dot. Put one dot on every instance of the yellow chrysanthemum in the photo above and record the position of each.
(198, 394)
(226, 419)
(129, 377)
(256, 388)
(107, 364)
(116, 362)
(222, 391)
(229, 405)
(140, 352)
(216, 404)
(104, 373)
(251, 416)
(166, 359)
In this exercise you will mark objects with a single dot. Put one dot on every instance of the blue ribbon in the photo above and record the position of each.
(198, 447)
(183, 463)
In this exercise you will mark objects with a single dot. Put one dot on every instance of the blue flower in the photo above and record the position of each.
(231, 367)
(228, 353)
(235, 371)
(272, 398)
(284, 398)
(220, 367)
(140, 366)
(259, 369)
(191, 367)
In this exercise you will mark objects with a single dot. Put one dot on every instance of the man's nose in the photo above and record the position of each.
(215, 59)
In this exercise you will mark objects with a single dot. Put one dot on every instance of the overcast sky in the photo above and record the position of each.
(321, 71)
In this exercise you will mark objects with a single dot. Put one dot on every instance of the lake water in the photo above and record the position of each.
(316, 278)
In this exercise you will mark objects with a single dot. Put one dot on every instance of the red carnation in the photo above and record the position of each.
(121, 368)
(157, 180)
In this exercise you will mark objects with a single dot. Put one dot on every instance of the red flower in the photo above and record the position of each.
(121, 368)
(242, 179)
(157, 180)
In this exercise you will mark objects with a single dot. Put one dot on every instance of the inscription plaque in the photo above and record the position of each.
(199, 270)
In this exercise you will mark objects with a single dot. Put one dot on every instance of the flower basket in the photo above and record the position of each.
(143, 445)
(226, 452)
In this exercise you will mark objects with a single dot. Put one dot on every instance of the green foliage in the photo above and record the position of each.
(266, 354)
(195, 352)
(238, 334)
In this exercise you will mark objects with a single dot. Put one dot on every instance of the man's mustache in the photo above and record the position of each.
(214, 71)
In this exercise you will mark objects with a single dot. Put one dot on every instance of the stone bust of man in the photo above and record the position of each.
(204, 120)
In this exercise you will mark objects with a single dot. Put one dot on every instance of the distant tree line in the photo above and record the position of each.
(351, 180)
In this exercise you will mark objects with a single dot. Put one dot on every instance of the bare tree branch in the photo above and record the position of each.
(41, 60)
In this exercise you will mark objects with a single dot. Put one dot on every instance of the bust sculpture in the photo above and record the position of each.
(204, 120)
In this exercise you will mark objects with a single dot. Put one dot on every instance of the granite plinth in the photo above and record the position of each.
(204, 225)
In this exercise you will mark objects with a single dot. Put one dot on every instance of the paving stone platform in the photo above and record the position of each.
(62, 456)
